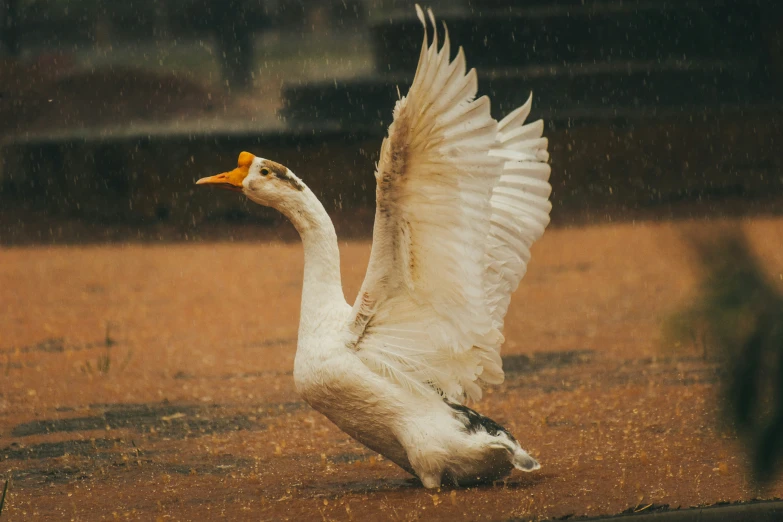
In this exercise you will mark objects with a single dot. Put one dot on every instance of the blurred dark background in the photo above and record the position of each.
(110, 110)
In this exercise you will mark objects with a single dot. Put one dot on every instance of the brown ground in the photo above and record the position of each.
(150, 382)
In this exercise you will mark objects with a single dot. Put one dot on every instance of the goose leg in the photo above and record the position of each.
(430, 480)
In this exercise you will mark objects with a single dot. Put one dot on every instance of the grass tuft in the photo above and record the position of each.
(2, 499)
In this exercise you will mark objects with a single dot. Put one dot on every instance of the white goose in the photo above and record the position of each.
(460, 200)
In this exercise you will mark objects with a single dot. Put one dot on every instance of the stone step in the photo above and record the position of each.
(719, 156)
(561, 92)
(564, 33)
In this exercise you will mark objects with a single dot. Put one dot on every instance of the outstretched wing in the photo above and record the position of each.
(423, 317)
(520, 207)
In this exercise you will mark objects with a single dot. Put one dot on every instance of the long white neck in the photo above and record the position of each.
(322, 291)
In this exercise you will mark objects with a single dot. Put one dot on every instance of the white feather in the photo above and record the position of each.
(460, 201)
(448, 180)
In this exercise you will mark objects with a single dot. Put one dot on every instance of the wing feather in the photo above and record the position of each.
(458, 206)
(520, 206)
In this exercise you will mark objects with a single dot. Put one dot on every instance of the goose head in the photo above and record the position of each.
(264, 181)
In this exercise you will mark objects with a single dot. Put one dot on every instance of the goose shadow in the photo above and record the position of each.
(527, 481)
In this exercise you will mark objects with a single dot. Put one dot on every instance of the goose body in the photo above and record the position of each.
(460, 200)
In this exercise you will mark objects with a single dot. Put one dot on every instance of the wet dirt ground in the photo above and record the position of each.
(154, 382)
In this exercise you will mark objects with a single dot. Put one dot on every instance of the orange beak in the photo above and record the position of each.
(227, 180)
(231, 180)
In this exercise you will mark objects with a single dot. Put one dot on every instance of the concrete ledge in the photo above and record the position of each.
(561, 92)
(756, 512)
(637, 161)
(599, 31)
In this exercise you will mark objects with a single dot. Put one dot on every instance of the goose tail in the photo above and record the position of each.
(524, 462)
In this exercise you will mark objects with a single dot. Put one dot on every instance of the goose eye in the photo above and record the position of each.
(264, 171)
